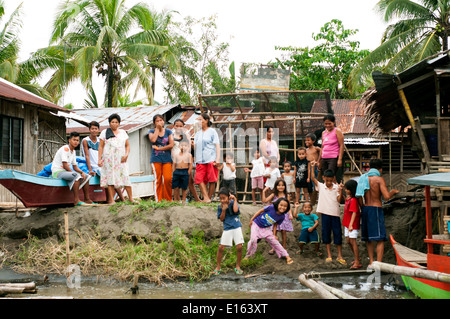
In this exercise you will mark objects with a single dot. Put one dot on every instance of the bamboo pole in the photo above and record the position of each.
(66, 235)
(314, 286)
(336, 291)
(412, 272)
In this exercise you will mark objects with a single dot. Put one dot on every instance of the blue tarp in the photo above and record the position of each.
(437, 179)
(81, 163)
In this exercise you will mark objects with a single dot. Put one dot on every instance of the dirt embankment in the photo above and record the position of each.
(405, 222)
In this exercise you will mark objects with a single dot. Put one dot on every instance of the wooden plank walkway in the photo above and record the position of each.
(411, 255)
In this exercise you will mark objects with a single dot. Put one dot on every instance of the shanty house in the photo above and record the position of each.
(32, 130)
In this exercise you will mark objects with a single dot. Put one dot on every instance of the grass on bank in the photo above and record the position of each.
(171, 257)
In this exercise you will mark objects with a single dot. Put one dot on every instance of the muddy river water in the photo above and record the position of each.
(224, 286)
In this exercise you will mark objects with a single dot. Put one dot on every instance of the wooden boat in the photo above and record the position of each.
(40, 191)
(426, 288)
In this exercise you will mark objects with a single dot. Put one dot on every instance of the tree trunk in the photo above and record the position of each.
(109, 87)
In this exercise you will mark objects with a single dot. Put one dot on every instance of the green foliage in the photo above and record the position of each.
(327, 65)
(417, 30)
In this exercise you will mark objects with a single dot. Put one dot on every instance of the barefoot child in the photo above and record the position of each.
(256, 174)
(351, 220)
(279, 191)
(229, 173)
(260, 228)
(309, 224)
(228, 213)
(182, 167)
(312, 155)
(289, 178)
(302, 174)
(330, 195)
(272, 173)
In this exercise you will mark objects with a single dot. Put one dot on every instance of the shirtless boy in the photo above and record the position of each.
(371, 186)
(182, 167)
(312, 155)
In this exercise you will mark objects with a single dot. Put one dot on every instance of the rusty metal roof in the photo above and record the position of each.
(349, 115)
(132, 118)
(12, 92)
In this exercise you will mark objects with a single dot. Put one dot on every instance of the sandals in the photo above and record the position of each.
(353, 267)
(341, 261)
(216, 272)
(238, 271)
(289, 260)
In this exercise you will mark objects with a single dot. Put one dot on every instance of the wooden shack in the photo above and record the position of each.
(31, 132)
(417, 101)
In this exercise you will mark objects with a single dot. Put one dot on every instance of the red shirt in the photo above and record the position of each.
(351, 206)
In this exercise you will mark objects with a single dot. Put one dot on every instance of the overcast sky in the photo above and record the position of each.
(253, 28)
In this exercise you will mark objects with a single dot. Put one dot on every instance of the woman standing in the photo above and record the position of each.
(207, 157)
(161, 140)
(332, 149)
(113, 153)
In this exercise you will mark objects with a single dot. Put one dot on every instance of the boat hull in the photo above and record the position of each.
(39, 191)
(423, 288)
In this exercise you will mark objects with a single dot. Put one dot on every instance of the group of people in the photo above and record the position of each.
(363, 215)
(174, 154)
(106, 155)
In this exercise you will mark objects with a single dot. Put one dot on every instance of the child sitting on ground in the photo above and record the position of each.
(260, 228)
(309, 222)
(256, 174)
(228, 213)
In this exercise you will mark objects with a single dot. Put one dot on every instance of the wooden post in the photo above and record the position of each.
(428, 218)
(66, 235)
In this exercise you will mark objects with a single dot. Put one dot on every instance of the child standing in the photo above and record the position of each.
(302, 174)
(330, 195)
(182, 167)
(256, 174)
(260, 228)
(312, 155)
(286, 225)
(228, 213)
(272, 173)
(289, 177)
(309, 224)
(229, 173)
(351, 220)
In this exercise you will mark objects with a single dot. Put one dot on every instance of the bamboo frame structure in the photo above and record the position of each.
(261, 118)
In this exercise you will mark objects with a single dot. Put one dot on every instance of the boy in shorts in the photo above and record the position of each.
(228, 213)
(76, 179)
(182, 167)
(309, 227)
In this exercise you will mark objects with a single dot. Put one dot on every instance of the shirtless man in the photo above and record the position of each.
(312, 155)
(372, 216)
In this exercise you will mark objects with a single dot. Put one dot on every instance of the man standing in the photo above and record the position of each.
(76, 178)
(371, 186)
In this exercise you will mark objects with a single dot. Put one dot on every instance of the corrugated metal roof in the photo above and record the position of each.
(132, 118)
(15, 93)
(349, 115)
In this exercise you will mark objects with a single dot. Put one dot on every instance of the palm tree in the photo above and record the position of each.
(419, 29)
(96, 36)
